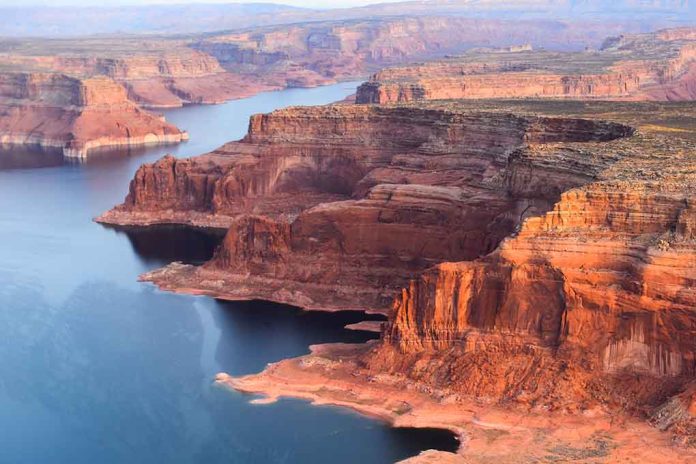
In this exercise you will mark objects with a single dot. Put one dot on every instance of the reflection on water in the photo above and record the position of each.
(97, 367)
(163, 244)
(23, 157)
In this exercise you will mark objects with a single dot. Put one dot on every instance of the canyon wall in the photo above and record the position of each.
(540, 255)
(591, 303)
(656, 66)
(156, 72)
(159, 71)
(338, 207)
(310, 53)
(212, 68)
(77, 115)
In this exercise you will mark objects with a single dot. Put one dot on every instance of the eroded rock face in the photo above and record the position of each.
(309, 54)
(658, 66)
(56, 110)
(170, 72)
(338, 207)
(540, 255)
(156, 73)
(607, 270)
(593, 302)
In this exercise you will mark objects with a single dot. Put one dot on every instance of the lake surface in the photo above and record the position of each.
(98, 368)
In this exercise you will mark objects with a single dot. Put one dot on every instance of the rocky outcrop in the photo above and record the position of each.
(656, 66)
(156, 73)
(585, 312)
(169, 72)
(590, 303)
(609, 271)
(338, 207)
(211, 68)
(77, 115)
(175, 71)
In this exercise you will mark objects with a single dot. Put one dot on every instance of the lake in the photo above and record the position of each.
(96, 367)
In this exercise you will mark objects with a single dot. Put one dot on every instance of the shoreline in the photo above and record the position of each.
(83, 149)
(158, 278)
(331, 375)
(122, 218)
(189, 279)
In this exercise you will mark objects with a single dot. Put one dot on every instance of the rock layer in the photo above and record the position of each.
(586, 311)
(211, 68)
(564, 233)
(593, 302)
(338, 207)
(173, 71)
(657, 66)
(77, 115)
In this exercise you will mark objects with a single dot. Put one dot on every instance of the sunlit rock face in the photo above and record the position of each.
(177, 70)
(525, 251)
(592, 302)
(84, 93)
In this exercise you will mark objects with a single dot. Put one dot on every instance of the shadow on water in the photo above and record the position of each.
(28, 157)
(163, 244)
(288, 332)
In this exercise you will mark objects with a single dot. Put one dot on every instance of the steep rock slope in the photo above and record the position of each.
(338, 207)
(55, 110)
(171, 71)
(551, 347)
(156, 72)
(307, 54)
(603, 283)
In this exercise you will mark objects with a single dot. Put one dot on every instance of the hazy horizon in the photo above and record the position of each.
(71, 18)
(117, 3)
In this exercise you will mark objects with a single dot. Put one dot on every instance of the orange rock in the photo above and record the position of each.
(538, 257)
(76, 115)
(338, 207)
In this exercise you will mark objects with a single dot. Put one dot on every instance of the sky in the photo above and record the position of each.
(304, 3)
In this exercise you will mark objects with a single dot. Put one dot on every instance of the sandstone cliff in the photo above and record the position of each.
(313, 53)
(161, 71)
(156, 72)
(659, 66)
(55, 110)
(211, 68)
(338, 207)
(579, 322)
(589, 304)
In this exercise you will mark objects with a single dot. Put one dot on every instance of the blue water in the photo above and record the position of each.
(98, 368)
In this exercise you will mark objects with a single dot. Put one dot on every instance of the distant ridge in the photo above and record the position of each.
(27, 21)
